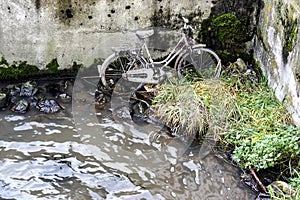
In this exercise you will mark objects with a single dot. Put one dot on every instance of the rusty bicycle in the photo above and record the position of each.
(137, 65)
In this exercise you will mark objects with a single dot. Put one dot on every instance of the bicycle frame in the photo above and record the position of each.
(182, 45)
(141, 67)
(152, 71)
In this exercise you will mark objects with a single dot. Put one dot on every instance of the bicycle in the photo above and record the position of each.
(122, 77)
(137, 65)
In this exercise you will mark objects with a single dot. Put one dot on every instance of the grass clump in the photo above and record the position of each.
(261, 130)
(181, 108)
(192, 107)
(261, 134)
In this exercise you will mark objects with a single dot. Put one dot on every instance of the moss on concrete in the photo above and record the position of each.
(17, 70)
(3, 62)
(290, 36)
(228, 36)
(289, 24)
(23, 70)
(53, 66)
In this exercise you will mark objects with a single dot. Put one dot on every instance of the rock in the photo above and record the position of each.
(14, 90)
(241, 65)
(27, 89)
(3, 100)
(4, 97)
(20, 106)
(48, 106)
(282, 189)
(65, 98)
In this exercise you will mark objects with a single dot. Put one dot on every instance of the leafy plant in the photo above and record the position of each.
(267, 150)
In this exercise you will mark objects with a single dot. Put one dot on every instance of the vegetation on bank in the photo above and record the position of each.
(246, 118)
(23, 70)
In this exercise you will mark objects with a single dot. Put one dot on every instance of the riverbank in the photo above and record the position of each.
(241, 114)
(251, 129)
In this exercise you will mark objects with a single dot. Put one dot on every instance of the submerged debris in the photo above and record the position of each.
(48, 106)
(20, 106)
(20, 97)
(28, 89)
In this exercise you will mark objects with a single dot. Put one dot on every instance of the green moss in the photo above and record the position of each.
(227, 35)
(23, 70)
(290, 36)
(3, 61)
(226, 27)
(17, 70)
(53, 66)
(289, 23)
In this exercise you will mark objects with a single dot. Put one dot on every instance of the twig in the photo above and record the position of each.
(257, 180)
(143, 101)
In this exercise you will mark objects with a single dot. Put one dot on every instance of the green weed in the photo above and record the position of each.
(243, 114)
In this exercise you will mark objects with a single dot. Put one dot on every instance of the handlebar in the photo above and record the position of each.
(187, 29)
(185, 20)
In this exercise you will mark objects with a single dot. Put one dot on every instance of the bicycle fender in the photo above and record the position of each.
(102, 67)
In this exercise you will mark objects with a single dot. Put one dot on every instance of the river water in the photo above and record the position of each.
(83, 152)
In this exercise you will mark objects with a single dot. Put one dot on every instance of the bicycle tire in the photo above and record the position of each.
(114, 66)
(112, 69)
(202, 62)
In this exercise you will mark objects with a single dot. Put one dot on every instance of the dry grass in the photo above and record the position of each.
(189, 108)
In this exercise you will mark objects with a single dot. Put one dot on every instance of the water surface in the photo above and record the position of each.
(47, 156)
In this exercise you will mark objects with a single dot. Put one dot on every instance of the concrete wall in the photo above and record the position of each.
(38, 31)
(277, 50)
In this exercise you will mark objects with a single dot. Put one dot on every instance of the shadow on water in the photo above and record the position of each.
(45, 156)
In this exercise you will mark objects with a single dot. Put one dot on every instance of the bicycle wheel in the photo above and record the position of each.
(115, 66)
(201, 63)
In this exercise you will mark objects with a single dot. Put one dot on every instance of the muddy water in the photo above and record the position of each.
(88, 154)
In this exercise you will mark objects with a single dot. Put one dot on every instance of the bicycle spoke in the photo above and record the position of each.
(203, 62)
(116, 65)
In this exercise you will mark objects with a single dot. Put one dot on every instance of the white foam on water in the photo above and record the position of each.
(13, 118)
(51, 131)
(30, 125)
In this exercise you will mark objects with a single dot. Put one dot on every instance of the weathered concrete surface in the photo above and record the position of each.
(277, 50)
(228, 40)
(38, 31)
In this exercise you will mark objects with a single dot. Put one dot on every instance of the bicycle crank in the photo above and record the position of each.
(150, 75)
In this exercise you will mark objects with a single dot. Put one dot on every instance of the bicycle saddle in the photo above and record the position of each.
(144, 34)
